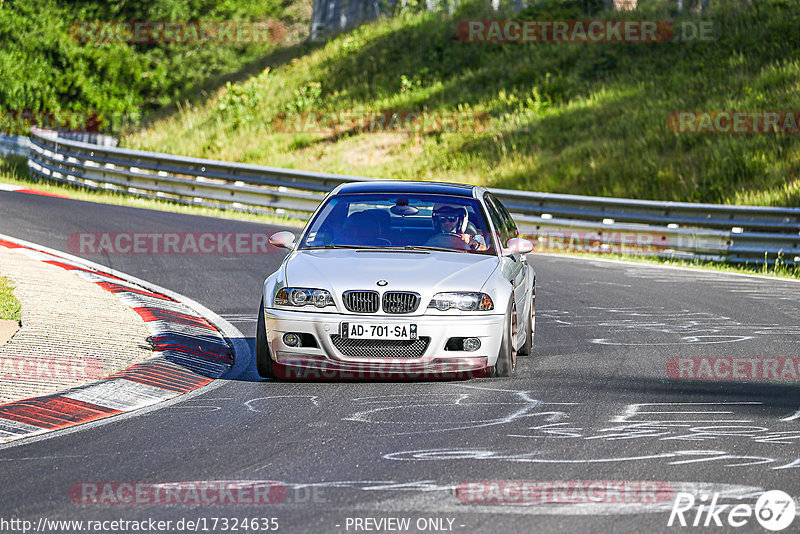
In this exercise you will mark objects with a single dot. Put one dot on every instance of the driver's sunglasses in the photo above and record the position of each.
(448, 218)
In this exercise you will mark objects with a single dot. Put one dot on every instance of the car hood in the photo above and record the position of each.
(425, 273)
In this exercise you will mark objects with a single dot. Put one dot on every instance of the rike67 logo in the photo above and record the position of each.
(774, 510)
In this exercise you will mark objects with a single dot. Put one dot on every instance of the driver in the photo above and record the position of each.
(454, 220)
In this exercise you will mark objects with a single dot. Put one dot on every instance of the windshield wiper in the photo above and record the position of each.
(332, 246)
(387, 247)
(428, 247)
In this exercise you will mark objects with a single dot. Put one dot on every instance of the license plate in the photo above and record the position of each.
(379, 331)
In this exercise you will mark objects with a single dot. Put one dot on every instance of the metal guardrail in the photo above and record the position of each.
(14, 145)
(675, 229)
(92, 138)
(20, 145)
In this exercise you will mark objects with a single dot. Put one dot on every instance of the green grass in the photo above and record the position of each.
(567, 118)
(10, 308)
(13, 171)
(45, 68)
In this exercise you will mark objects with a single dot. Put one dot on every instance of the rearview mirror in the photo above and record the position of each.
(282, 239)
(404, 210)
(517, 245)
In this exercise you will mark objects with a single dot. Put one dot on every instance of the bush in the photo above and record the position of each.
(44, 67)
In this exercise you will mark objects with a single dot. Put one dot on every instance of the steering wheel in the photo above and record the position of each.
(447, 241)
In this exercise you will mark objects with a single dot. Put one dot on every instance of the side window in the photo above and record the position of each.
(510, 224)
(497, 220)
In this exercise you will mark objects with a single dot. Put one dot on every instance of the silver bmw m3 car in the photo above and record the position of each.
(408, 279)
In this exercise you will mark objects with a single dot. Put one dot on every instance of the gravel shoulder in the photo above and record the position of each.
(7, 330)
(73, 331)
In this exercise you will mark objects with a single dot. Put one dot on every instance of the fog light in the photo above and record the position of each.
(291, 340)
(471, 344)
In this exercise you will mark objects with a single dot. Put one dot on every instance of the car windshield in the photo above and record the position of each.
(410, 221)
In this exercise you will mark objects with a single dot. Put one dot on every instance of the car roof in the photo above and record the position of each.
(400, 186)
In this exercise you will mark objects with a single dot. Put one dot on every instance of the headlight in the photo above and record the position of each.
(462, 301)
(301, 296)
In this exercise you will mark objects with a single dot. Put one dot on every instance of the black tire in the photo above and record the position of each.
(264, 362)
(530, 328)
(507, 356)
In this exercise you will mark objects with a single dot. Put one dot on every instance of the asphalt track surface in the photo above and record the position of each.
(593, 403)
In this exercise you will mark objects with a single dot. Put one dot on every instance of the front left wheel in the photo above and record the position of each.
(530, 327)
(506, 363)
(264, 363)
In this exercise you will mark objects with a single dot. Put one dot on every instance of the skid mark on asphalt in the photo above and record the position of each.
(678, 457)
(204, 405)
(239, 317)
(795, 415)
(252, 404)
(692, 424)
(662, 326)
(662, 432)
(748, 285)
(454, 412)
(647, 426)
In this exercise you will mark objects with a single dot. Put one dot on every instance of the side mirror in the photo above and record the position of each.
(517, 245)
(282, 239)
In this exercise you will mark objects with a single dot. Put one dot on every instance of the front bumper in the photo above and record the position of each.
(434, 361)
